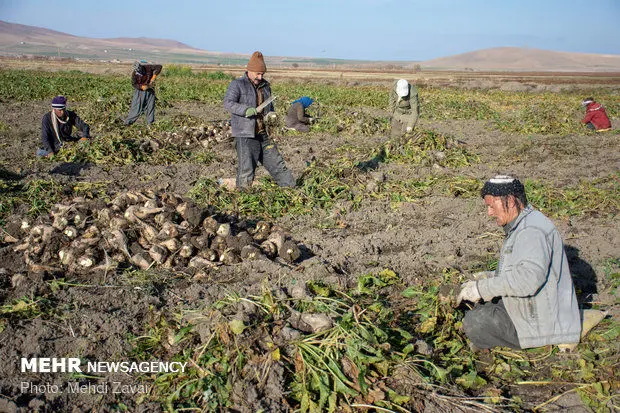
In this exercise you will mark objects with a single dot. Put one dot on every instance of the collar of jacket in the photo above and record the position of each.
(509, 227)
(262, 83)
(594, 106)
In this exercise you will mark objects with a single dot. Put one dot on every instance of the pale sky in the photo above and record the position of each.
(346, 29)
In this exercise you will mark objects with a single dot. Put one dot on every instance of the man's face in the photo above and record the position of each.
(59, 112)
(496, 208)
(255, 77)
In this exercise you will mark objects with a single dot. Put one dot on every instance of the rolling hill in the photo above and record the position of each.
(22, 40)
(516, 58)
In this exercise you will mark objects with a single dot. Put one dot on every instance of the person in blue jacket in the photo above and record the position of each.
(297, 118)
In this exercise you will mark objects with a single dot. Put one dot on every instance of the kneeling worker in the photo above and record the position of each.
(596, 117)
(529, 301)
(57, 127)
(297, 118)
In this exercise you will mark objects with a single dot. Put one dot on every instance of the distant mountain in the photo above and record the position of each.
(19, 39)
(525, 59)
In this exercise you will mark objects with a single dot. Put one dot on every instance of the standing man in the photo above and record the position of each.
(57, 128)
(404, 107)
(596, 117)
(529, 301)
(297, 118)
(249, 129)
(143, 100)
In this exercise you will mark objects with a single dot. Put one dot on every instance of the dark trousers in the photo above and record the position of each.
(590, 126)
(143, 101)
(251, 152)
(488, 325)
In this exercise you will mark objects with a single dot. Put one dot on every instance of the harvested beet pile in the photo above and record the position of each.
(206, 135)
(144, 230)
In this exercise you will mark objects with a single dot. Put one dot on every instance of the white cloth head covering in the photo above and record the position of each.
(402, 88)
(586, 101)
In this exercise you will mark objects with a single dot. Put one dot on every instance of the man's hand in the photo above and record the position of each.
(83, 139)
(144, 87)
(271, 117)
(250, 112)
(469, 292)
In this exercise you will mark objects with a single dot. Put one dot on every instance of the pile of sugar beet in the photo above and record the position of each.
(143, 230)
(205, 135)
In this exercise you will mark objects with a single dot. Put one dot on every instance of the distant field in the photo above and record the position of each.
(344, 75)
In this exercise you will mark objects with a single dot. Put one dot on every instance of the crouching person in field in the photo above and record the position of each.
(297, 118)
(404, 108)
(529, 301)
(596, 117)
(57, 128)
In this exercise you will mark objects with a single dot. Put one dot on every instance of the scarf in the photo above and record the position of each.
(55, 120)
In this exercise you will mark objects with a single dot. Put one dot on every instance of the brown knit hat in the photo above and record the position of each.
(257, 63)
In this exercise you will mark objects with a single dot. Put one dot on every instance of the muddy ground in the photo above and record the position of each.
(413, 238)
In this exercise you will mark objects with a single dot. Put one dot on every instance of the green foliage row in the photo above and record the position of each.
(519, 112)
(381, 328)
(324, 370)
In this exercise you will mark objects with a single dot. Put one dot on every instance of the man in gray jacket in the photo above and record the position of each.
(529, 301)
(249, 127)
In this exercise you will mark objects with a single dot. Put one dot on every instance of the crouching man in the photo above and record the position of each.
(57, 128)
(529, 301)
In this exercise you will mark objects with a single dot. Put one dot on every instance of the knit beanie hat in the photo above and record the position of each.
(402, 88)
(59, 102)
(503, 185)
(257, 63)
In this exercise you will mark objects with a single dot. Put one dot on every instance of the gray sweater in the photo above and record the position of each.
(240, 96)
(535, 284)
(406, 109)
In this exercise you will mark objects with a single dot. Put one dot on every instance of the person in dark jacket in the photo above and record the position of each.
(297, 118)
(143, 100)
(404, 107)
(57, 128)
(249, 126)
(596, 117)
(530, 300)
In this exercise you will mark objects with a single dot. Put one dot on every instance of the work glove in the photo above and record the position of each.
(409, 129)
(483, 275)
(250, 112)
(144, 87)
(310, 121)
(469, 292)
(153, 78)
(83, 139)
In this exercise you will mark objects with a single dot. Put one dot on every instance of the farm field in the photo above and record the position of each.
(357, 313)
